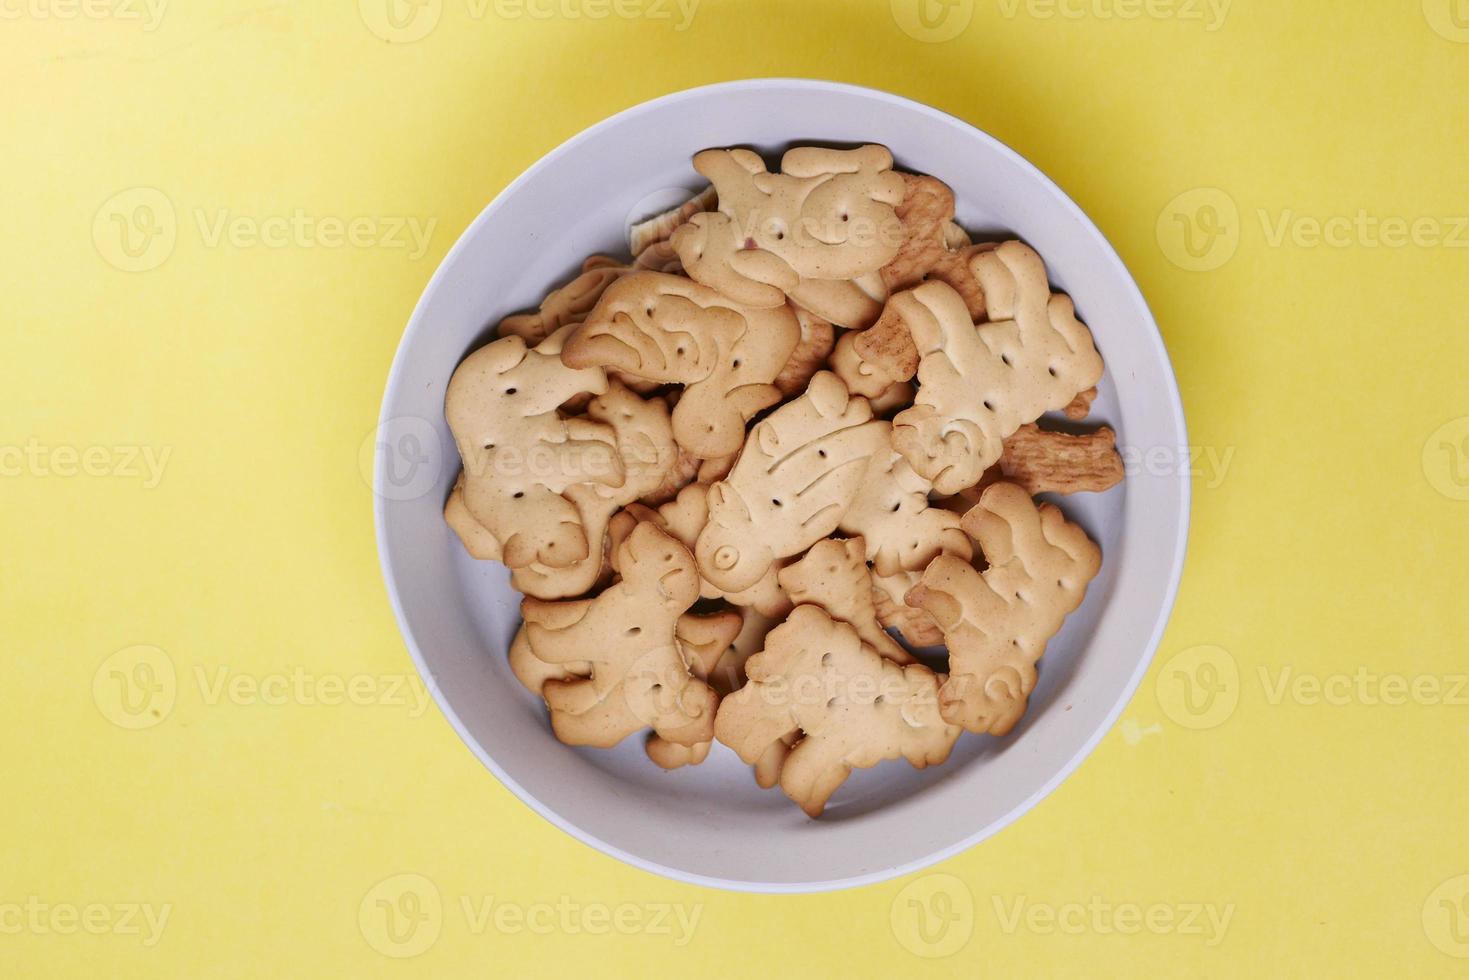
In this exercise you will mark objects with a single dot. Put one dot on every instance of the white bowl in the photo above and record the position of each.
(711, 824)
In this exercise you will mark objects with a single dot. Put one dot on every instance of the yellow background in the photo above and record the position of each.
(1333, 539)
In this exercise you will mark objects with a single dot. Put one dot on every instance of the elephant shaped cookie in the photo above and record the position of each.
(672, 330)
(521, 453)
(819, 231)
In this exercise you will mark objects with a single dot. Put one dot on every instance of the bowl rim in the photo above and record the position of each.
(1148, 331)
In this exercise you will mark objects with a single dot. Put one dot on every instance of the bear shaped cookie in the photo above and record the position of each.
(626, 636)
(850, 707)
(834, 576)
(997, 623)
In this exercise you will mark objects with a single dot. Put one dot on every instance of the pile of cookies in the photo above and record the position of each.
(798, 425)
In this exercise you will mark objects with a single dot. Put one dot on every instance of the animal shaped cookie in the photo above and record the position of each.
(1043, 461)
(818, 231)
(977, 385)
(927, 252)
(566, 304)
(892, 514)
(871, 361)
(997, 623)
(644, 439)
(834, 576)
(521, 454)
(801, 468)
(638, 676)
(685, 517)
(851, 708)
(704, 641)
(669, 329)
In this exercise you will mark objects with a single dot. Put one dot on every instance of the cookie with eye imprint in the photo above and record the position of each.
(834, 576)
(645, 446)
(800, 470)
(638, 677)
(672, 330)
(685, 517)
(828, 217)
(702, 640)
(851, 707)
(705, 641)
(997, 623)
(1033, 356)
(871, 359)
(711, 240)
(522, 454)
(698, 637)
(892, 514)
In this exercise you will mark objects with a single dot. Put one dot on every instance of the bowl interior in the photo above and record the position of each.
(711, 823)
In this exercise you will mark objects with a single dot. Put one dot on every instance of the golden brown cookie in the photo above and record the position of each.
(834, 576)
(1032, 357)
(997, 623)
(826, 221)
(671, 330)
(521, 453)
(660, 228)
(627, 634)
(851, 707)
(799, 471)
(891, 512)
(567, 304)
